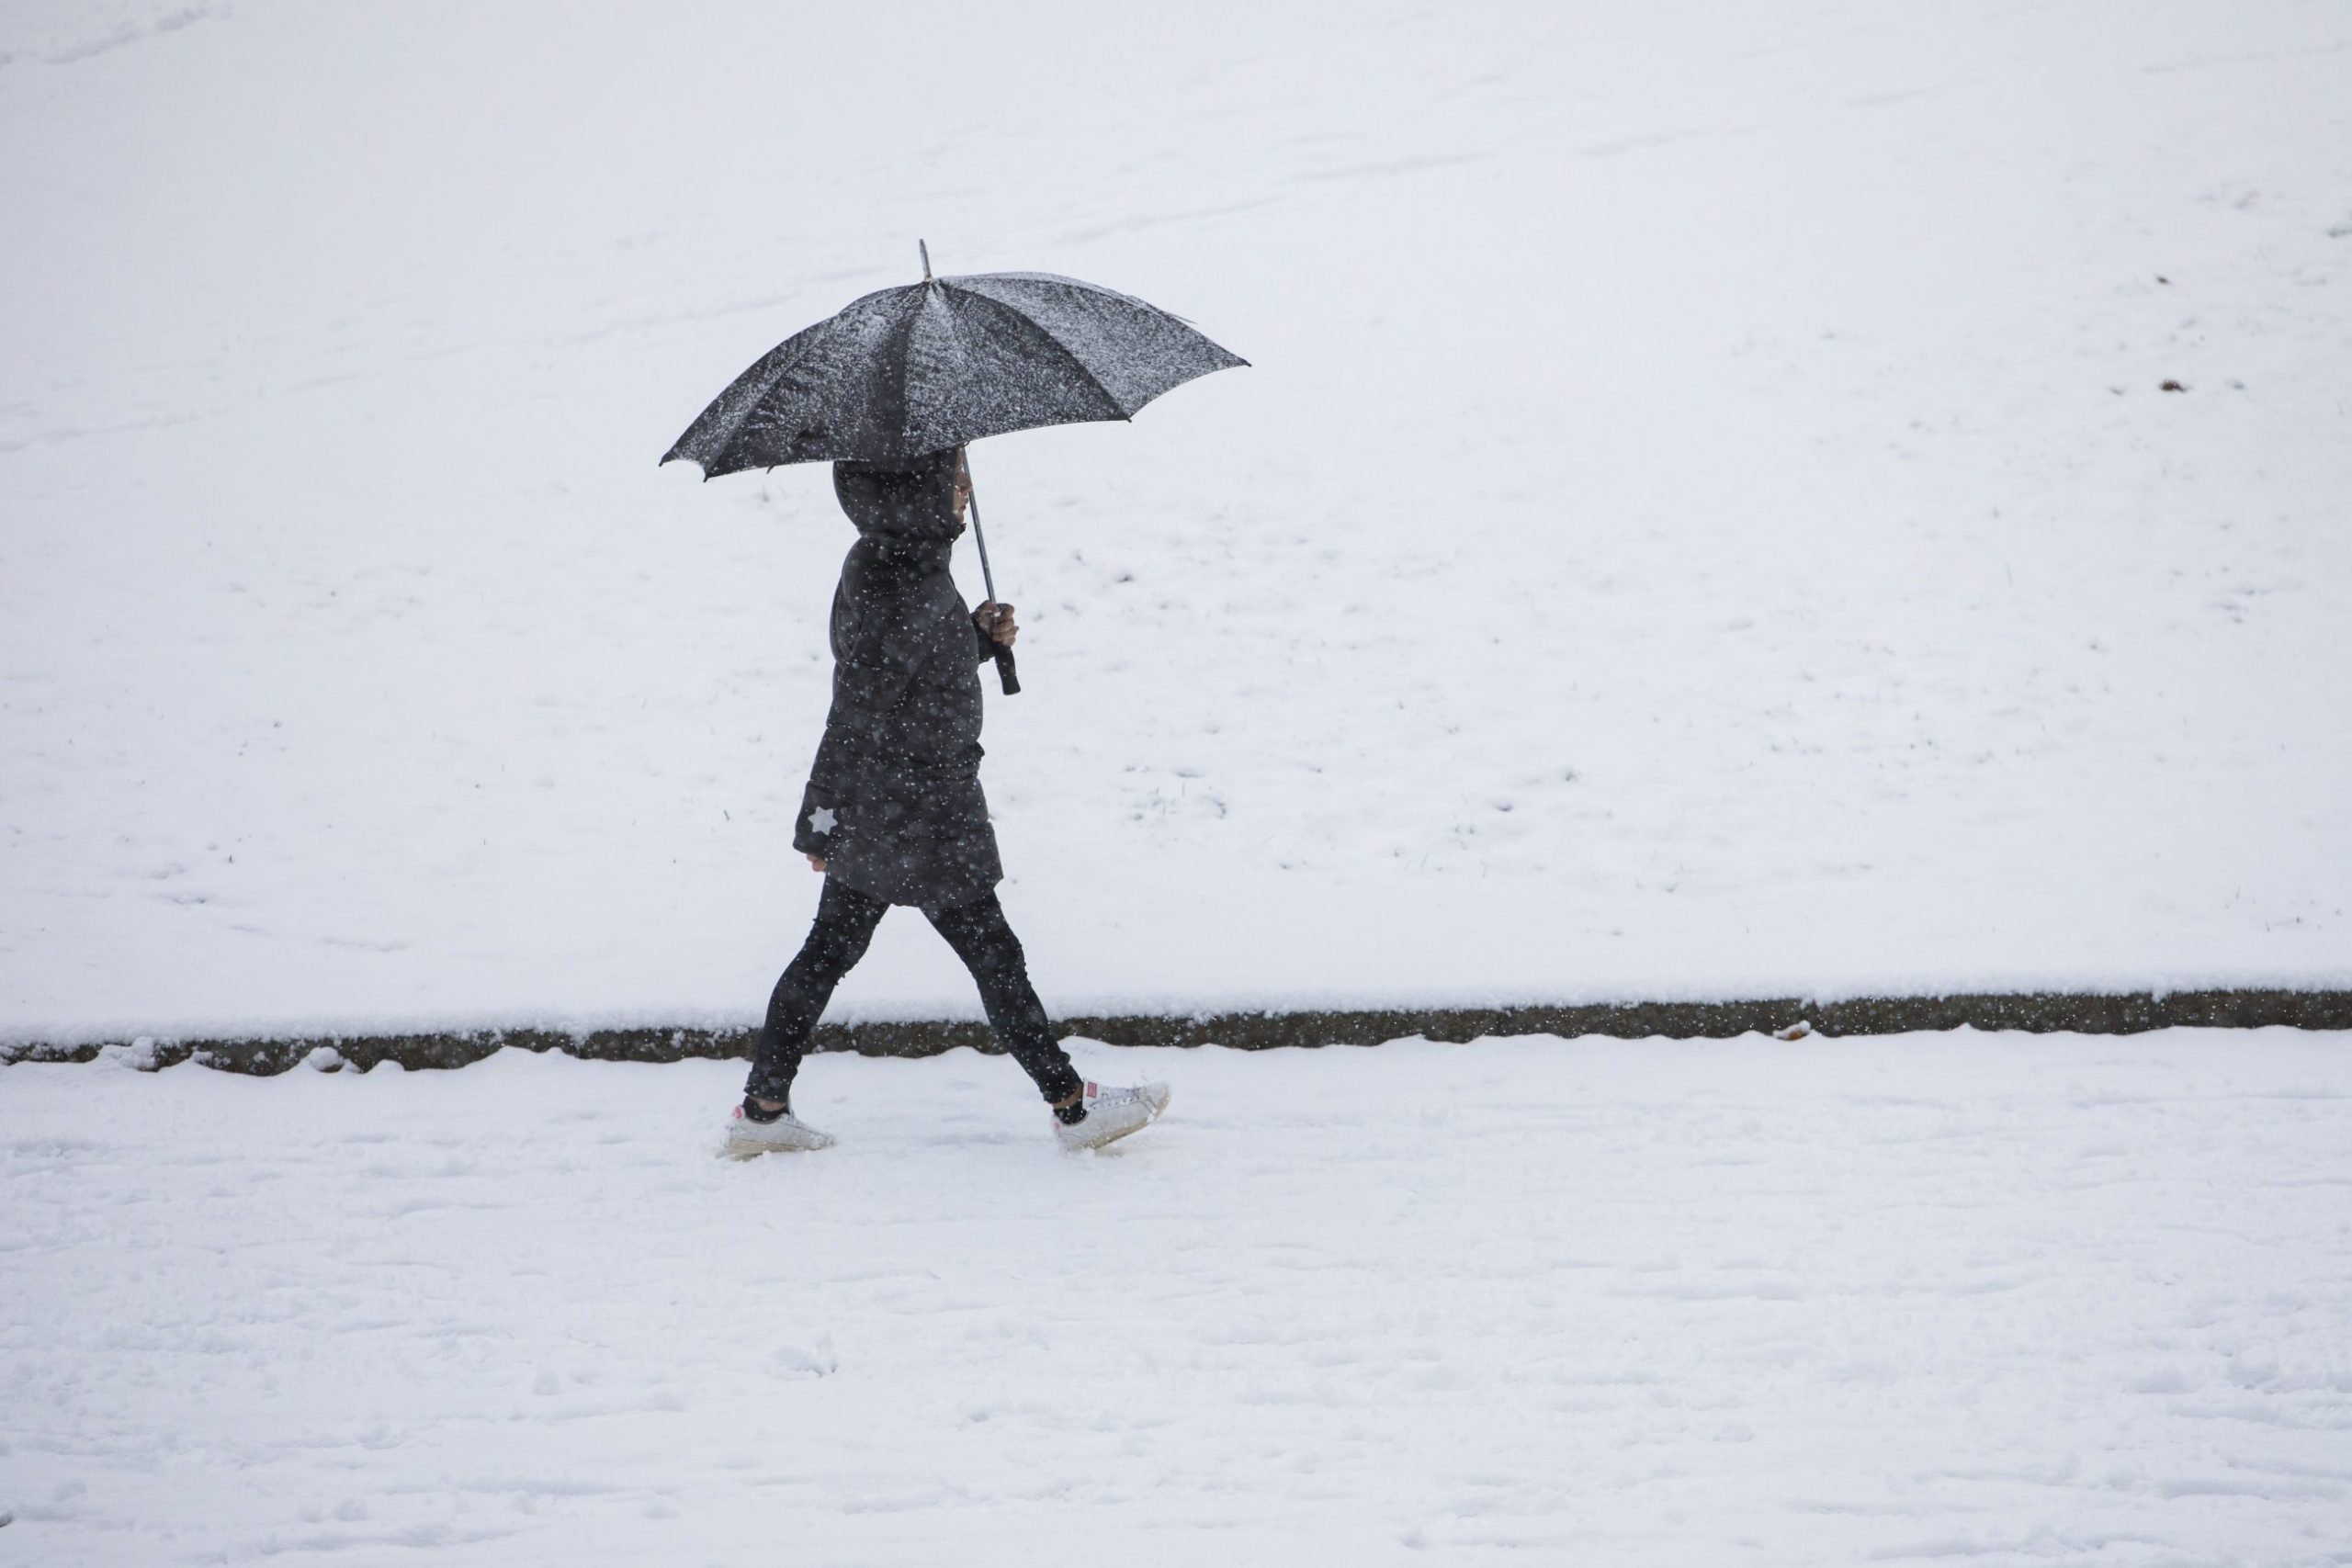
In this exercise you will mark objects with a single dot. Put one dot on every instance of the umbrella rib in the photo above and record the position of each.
(1059, 345)
(906, 339)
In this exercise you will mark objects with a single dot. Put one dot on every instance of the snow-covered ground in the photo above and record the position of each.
(1983, 1298)
(1702, 518)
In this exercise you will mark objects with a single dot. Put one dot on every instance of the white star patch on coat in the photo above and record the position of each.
(821, 820)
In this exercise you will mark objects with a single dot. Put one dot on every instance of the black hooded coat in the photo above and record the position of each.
(894, 805)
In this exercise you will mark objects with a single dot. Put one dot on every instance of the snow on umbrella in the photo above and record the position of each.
(907, 371)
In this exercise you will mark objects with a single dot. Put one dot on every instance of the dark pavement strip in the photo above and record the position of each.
(2128, 1013)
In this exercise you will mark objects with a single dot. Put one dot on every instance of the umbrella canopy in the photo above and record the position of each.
(941, 363)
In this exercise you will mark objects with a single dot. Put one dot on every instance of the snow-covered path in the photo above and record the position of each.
(2045, 1299)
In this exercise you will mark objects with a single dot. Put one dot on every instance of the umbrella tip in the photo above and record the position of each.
(926, 259)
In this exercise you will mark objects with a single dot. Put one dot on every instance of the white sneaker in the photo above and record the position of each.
(747, 1139)
(1112, 1114)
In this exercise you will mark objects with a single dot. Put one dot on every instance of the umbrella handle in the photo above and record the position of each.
(1004, 670)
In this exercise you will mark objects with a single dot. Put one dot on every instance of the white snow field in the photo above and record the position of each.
(1702, 519)
(1970, 1297)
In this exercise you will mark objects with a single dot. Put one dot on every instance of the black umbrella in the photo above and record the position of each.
(941, 363)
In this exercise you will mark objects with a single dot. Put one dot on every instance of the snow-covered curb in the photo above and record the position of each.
(2033, 1012)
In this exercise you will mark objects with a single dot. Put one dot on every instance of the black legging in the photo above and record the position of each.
(976, 931)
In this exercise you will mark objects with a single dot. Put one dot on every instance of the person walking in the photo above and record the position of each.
(893, 812)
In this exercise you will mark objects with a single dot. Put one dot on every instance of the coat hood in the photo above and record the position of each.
(915, 501)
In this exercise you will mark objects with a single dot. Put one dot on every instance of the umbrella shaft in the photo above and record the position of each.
(1001, 654)
(972, 499)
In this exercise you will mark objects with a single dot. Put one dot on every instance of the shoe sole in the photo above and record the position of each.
(730, 1149)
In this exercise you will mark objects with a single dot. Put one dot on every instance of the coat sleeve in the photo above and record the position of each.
(864, 697)
(872, 675)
